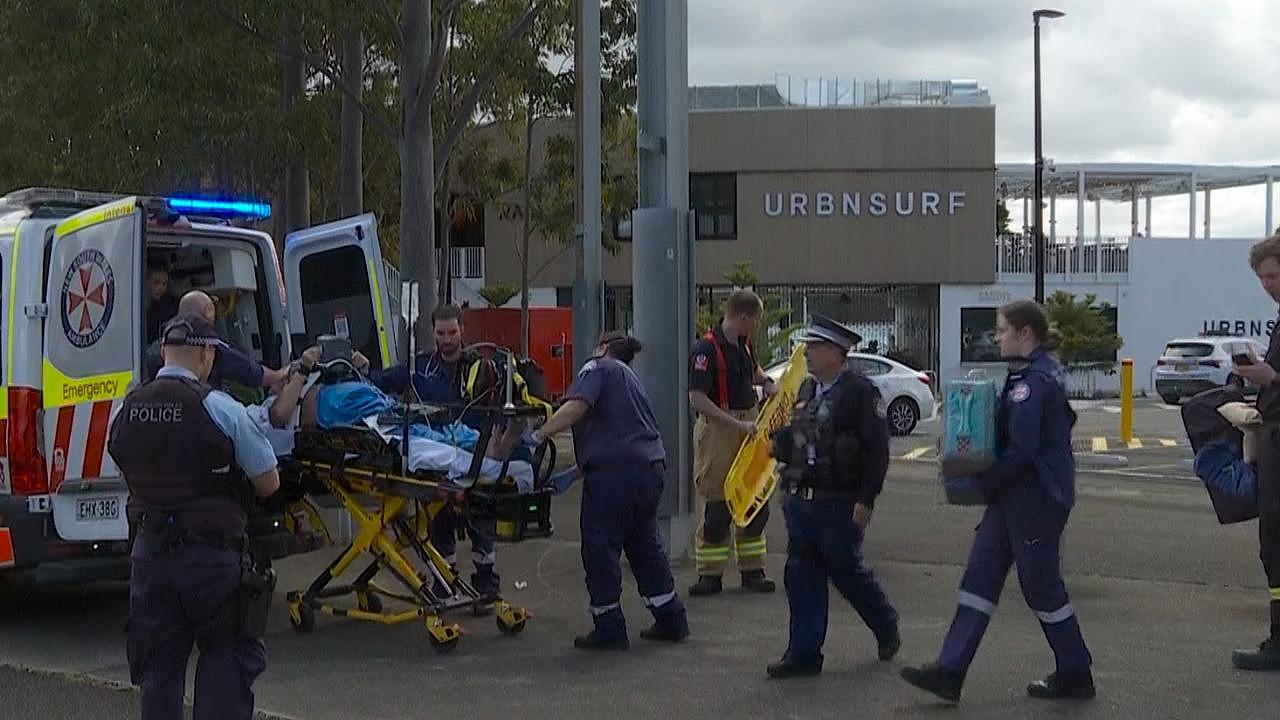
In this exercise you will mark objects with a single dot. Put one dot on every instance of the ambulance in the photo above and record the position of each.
(74, 299)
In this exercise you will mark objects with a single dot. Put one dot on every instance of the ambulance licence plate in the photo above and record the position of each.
(98, 510)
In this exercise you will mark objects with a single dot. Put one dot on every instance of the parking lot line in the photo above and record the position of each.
(917, 453)
(1168, 443)
(1135, 444)
(1099, 444)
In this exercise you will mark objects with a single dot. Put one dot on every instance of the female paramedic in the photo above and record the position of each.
(617, 445)
(1029, 490)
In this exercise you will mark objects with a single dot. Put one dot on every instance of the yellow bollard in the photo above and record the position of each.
(1126, 401)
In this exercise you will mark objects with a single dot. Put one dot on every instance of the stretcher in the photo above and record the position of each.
(391, 507)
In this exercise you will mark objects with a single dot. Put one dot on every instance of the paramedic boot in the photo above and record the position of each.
(610, 632)
(670, 623)
(706, 585)
(1267, 655)
(787, 668)
(755, 581)
(1063, 687)
(935, 679)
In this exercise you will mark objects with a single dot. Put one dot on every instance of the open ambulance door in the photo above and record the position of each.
(336, 285)
(92, 357)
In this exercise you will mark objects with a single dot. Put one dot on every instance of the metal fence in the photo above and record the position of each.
(1015, 255)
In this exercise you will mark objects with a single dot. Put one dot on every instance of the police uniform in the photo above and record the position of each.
(619, 449)
(725, 371)
(434, 380)
(836, 454)
(1267, 655)
(1030, 491)
(186, 452)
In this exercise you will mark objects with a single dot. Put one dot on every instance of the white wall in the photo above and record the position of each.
(1176, 288)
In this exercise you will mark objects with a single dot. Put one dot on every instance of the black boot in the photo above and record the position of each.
(936, 679)
(666, 632)
(755, 581)
(706, 585)
(1267, 655)
(595, 641)
(890, 645)
(786, 668)
(1063, 687)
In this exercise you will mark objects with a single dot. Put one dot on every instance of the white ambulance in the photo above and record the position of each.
(74, 296)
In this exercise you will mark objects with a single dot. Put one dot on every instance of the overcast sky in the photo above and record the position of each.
(1179, 81)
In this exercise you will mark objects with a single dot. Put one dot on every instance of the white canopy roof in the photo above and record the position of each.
(1120, 181)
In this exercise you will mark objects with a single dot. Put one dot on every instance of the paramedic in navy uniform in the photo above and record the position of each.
(192, 460)
(617, 445)
(836, 453)
(1030, 491)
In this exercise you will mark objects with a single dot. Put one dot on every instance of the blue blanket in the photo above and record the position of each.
(347, 404)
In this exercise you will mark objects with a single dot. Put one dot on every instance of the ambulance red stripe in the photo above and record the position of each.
(97, 440)
(61, 441)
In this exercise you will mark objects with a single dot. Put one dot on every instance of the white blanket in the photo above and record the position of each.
(454, 462)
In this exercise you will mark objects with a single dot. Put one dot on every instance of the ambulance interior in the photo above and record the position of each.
(232, 273)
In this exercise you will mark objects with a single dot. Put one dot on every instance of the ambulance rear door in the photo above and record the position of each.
(336, 285)
(92, 356)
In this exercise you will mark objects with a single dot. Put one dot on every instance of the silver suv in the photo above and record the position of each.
(1193, 365)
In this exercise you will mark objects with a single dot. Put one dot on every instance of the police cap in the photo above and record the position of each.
(824, 329)
(191, 330)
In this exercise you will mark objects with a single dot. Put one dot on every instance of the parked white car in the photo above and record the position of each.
(908, 393)
(1192, 365)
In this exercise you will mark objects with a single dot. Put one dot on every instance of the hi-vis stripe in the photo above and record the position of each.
(80, 443)
(101, 214)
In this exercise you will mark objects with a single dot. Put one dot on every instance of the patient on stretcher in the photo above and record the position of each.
(445, 448)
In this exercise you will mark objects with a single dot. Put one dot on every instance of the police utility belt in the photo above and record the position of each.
(246, 610)
(808, 492)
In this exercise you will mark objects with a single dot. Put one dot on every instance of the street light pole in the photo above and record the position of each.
(1037, 200)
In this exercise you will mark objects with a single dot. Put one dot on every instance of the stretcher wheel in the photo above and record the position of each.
(302, 617)
(369, 602)
(444, 638)
(511, 627)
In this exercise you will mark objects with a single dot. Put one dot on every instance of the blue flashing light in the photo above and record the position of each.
(221, 208)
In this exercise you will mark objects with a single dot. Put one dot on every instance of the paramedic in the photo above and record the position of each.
(1264, 258)
(836, 454)
(722, 373)
(1030, 491)
(162, 307)
(232, 364)
(619, 449)
(193, 462)
(436, 379)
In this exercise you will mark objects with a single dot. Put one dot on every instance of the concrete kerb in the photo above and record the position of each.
(1101, 460)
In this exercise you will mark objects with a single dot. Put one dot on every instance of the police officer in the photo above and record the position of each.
(619, 449)
(1030, 491)
(193, 461)
(722, 373)
(1264, 258)
(836, 453)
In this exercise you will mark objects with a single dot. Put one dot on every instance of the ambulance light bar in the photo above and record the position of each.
(248, 209)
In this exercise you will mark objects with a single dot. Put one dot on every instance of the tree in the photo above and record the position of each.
(772, 341)
(1089, 339)
(1002, 218)
(499, 294)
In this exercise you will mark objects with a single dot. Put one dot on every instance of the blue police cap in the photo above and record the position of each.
(191, 330)
(824, 329)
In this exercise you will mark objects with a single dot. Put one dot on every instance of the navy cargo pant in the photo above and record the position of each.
(483, 535)
(174, 598)
(1029, 535)
(620, 514)
(823, 543)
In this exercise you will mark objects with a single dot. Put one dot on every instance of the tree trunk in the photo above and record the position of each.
(527, 228)
(297, 183)
(446, 235)
(351, 160)
(417, 165)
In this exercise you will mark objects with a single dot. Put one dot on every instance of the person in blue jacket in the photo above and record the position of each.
(1030, 491)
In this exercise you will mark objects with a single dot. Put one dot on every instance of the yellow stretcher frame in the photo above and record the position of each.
(397, 527)
(754, 474)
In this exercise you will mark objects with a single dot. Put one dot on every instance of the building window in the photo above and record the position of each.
(714, 200)
(978, 342)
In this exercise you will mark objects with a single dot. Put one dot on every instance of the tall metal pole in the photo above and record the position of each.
(588, 288)
(1038, 191)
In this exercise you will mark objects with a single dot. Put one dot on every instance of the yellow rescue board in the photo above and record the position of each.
(753, 476)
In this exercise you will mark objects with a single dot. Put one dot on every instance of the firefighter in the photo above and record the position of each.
(836, 453)
(722, 375)
(619, 449)
(193, 461)
(1264, 258)
(1030, 491)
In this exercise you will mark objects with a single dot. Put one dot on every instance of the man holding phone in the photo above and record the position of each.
(1264, 258)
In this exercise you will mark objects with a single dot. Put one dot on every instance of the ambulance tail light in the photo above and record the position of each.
(27, 471)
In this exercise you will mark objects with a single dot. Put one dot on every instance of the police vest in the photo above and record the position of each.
(178, 462)
(820, 455)
(722, 367)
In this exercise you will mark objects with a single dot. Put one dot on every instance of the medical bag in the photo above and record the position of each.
(969, 426)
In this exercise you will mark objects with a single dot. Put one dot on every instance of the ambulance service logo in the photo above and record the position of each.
(88, 295)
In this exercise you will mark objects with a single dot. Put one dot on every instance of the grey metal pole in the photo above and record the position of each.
(1037, 195)
(588, 288)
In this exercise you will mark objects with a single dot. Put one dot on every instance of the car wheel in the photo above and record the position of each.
(1169, 399)
(903, 414)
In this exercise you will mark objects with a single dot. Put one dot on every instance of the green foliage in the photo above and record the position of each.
(1002, 218)
(1088, 339)
(499, 294)
(773, 338)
